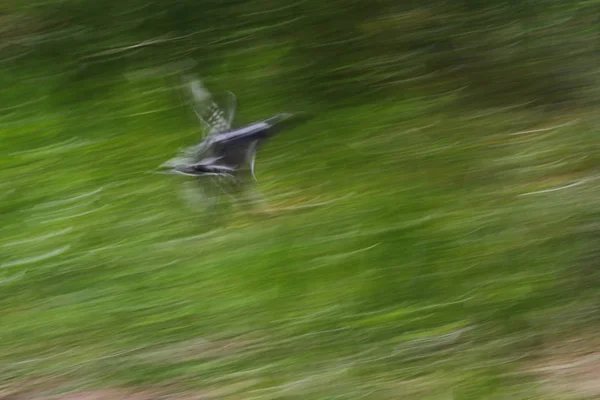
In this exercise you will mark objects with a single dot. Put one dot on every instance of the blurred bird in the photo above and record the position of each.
(225, 153)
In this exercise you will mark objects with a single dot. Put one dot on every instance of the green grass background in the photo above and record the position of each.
(420, 250)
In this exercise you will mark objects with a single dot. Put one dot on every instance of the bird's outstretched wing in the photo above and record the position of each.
(215, 119)
(212, 117)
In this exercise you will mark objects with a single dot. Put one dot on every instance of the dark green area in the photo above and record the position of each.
(436, 222)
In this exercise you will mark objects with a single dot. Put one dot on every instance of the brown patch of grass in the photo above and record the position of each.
(104, 394)
(570, 367)
(130, 394)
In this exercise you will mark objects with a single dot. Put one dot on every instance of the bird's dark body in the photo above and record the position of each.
(232, 151)
(233, 146)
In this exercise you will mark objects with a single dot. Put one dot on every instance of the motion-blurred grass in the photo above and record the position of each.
(417, 251)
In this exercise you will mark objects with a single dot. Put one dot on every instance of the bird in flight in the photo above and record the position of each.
(225, 153)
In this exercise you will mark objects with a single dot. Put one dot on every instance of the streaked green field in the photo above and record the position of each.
(414, 251)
